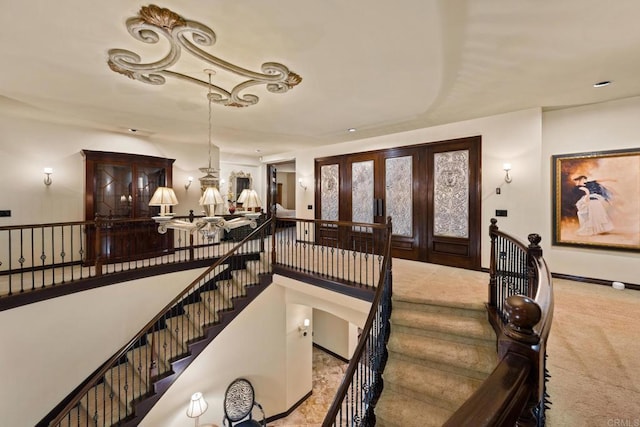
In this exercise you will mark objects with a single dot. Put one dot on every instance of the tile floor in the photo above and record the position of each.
(328, 372)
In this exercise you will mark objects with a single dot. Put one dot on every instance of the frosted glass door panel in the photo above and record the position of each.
(399, 194)
(451, 194)
(329, 192)
(362, 193)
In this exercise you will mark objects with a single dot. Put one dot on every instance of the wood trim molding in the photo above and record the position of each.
(331, 353)
(603, 282)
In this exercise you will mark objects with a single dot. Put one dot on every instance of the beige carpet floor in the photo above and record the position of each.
(594, 347)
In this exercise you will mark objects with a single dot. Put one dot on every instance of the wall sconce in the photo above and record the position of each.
(301, 184)
(507, 167)
(47, 178)
(197, 407)
(304, 327)
(188, 184)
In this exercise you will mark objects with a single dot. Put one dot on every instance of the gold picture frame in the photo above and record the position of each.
(596, 199)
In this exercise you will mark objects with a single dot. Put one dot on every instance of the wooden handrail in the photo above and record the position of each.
(499, 400)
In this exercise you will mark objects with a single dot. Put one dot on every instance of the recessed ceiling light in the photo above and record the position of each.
(258, 150)
(602, 83)
(132, 130)
(351, 130)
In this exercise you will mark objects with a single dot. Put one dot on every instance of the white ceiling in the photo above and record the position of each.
(378, 66)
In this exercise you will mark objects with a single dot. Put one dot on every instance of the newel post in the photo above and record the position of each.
(523, 314)
(534, 252)
(493, 228)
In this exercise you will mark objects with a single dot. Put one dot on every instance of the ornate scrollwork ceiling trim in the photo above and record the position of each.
(154, 22)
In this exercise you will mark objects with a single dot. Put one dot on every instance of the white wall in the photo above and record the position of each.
(332, 333)
(299, 360)
(48, 348)
(606, 126)
(27, 146)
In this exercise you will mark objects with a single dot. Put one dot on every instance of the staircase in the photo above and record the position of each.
(124, 388)
(439, 354)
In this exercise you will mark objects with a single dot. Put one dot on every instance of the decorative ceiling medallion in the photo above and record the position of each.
(161, 17)
(153, 21)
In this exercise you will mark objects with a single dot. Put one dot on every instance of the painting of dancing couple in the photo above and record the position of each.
(597, 199)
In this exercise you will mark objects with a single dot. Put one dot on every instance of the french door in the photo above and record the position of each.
(368, 188)
(431, 193)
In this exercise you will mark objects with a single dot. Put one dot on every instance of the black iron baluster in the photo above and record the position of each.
(10, 262)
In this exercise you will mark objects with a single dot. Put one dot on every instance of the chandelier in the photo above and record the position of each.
(183, 35)
(211, 224)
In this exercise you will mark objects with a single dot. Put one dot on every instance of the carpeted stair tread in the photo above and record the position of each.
(398, 410)
(444, 389)
(183, 329)
(231, 288)
(449, 355)
(220, 299)
(477, 310)
(425, 322)
(167, 345)
(436, 301)
(200, 313)
(103, 405)
(128, 379)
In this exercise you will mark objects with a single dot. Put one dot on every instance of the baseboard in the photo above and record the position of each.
(290, 410)
(326, 350)
(603, 282)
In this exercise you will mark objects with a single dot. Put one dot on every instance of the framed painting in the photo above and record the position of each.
(596, 199)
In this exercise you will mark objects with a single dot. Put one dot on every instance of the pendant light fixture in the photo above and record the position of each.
(210, 194)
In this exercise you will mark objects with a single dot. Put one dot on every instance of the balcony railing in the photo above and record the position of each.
(307, 250)
(36, 260)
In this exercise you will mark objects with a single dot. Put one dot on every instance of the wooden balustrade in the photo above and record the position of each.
(53, 259)
(520, 308)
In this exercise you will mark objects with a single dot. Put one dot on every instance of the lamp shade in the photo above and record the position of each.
(252, 200)
(242, 196)
(197, 405)
(210, 198)
(163, 197)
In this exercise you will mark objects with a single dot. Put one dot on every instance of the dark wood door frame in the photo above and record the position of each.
(456, 251)
(423, 245)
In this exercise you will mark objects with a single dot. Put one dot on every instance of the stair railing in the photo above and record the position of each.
(362, 383)
(520, 309)
(135, 377)
(43, 257)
